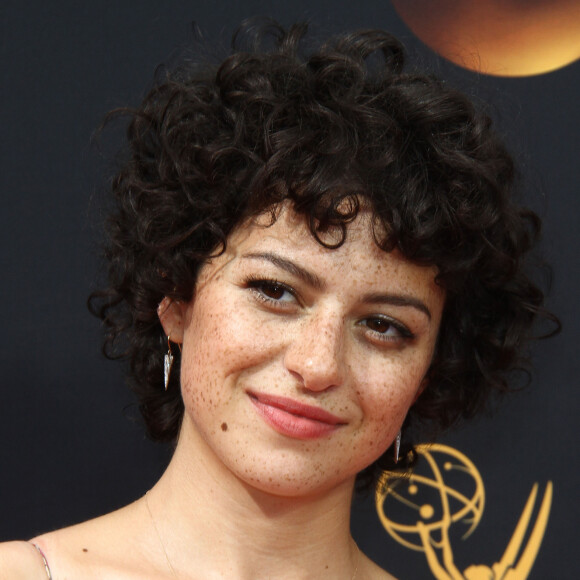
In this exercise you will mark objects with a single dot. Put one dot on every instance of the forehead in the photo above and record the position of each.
(358, 259)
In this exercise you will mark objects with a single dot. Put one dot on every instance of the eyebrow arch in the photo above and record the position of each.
(397, 300)
(292, 268)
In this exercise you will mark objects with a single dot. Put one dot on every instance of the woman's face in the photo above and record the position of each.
(299, 363)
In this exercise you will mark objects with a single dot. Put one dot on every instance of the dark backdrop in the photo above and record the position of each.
(69, 447)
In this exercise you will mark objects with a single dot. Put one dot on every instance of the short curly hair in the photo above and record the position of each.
(213, 145)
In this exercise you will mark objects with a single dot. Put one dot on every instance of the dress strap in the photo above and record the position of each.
(48, 574)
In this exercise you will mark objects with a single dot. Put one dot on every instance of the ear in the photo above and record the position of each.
(172, 317)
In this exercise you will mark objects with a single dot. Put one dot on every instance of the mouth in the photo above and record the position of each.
(293, 418)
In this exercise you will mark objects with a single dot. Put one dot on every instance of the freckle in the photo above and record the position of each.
(85, 550)
(224, 426)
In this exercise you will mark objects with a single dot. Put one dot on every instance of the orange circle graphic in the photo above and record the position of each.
(507, 38)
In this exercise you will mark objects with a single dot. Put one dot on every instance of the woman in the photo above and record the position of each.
(310, 255)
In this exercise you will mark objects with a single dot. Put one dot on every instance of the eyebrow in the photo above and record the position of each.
(290, 267)
(314, 281)
(397, 300)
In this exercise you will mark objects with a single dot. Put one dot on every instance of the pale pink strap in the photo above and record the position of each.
(48, 574)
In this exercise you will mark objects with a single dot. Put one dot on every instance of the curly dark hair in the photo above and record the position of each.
(212, 145)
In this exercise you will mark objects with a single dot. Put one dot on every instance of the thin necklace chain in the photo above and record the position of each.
(159, 537)
(174, 573)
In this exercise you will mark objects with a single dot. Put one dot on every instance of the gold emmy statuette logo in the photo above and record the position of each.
(432, 504)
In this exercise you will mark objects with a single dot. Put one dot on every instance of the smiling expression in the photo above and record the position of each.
(299, 362)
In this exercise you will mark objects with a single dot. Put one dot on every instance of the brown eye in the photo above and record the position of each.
(379, 325)
(273, 290)
(387, 329)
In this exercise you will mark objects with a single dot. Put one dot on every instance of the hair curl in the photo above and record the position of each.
(211, 146)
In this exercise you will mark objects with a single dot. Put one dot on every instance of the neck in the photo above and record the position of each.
(213, 522)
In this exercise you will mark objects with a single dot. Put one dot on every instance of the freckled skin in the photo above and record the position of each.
(315, 345)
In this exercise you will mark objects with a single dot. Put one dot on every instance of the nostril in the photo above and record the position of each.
(317, 367)
(314, 352)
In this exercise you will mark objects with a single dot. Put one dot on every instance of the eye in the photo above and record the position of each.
(387, 329)
(272, 291)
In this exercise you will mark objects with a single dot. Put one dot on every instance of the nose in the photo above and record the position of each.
(315, 353)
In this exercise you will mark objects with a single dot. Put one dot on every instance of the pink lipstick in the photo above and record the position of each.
(293, 418)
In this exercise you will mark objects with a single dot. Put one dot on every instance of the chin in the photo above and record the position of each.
(287, 476)
(297, 486)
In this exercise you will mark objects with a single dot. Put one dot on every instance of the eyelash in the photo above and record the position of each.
(403, 332)
(258, 285)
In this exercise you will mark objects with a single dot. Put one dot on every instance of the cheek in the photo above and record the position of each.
(219, 344)
(385, 398)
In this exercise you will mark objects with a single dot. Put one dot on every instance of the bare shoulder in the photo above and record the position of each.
(92, 549)
(21, 561)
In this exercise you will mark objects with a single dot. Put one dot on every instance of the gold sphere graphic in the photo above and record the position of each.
(508, 38)
(431, 503)
(445, 491)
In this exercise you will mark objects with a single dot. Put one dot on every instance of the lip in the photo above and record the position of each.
(293, 418)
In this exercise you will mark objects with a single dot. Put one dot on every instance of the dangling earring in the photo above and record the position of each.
(397, 447)
(167, 363)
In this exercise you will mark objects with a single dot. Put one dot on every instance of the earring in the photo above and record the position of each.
(397, 447)
(167, 363)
